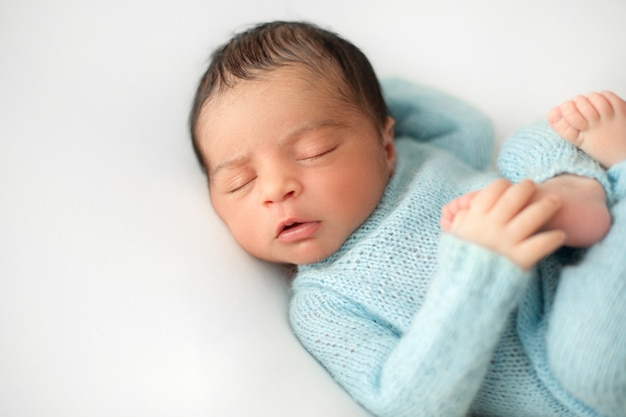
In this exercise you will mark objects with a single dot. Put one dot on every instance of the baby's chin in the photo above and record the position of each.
(302, 256)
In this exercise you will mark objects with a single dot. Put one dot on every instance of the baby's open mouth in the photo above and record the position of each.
(290, 225)
(295, 231)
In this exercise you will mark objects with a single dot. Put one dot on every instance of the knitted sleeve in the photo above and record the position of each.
(537, 152)
(436, 367)
(431, 116)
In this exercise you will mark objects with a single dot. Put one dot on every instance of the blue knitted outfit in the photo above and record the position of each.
(413, 322)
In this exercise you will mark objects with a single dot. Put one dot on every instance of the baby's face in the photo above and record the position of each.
(292, 172)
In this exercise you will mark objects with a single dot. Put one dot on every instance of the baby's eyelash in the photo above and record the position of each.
(319, 154)
(241, 187)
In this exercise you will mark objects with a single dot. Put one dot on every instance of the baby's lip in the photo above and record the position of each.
(287, 224)
(293, 229)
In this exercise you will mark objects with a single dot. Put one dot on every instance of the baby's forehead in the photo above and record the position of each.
(327, 91)
(256, 103)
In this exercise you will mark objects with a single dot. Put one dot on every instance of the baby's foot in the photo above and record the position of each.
(595, 123)
(584, 215)
(450, 210)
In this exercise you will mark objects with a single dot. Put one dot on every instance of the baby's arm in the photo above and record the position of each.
(431, 116)
(436, 366)
(507, 219)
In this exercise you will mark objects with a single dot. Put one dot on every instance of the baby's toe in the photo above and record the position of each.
(561, 126)
(573, 115)
(616, 102)
(601, 104)
(587, 110)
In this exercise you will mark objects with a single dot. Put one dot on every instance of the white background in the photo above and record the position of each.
(121, 293)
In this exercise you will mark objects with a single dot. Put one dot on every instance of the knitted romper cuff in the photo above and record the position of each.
(538, 153)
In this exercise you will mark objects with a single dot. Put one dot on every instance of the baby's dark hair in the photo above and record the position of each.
(269, 46)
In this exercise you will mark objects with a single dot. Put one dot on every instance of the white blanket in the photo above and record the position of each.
(121, 293)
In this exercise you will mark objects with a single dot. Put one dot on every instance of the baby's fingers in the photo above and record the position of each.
(533, 249)
(488, 196)
(532, 218)
(513, 201)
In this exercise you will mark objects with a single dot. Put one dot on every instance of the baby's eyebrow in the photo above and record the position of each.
(316, 125)
(229, 163)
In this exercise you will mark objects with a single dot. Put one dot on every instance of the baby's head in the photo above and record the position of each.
(292, 130)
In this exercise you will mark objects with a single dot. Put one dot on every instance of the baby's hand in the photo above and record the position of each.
(503, 218)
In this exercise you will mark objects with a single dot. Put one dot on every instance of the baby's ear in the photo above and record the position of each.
(389, 144)
(388, 128)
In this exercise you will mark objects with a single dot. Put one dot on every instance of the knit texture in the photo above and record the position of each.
(415, 323)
